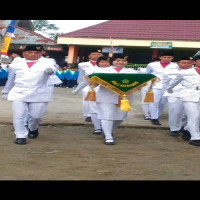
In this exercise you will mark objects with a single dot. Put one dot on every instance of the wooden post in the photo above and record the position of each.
(155, 53)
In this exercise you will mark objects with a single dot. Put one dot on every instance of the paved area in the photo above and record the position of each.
(67, 109)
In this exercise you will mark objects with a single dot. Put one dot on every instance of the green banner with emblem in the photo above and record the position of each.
(121, 83)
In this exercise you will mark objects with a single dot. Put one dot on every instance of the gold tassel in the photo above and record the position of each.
(91, 95)
(149, 98)
(125, 104)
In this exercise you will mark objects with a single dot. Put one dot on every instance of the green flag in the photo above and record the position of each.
(121, 83)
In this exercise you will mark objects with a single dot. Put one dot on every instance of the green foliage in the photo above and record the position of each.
(45, 27)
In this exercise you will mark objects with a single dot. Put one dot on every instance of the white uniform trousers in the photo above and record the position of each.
(193, 116)
(157, 107)
(86, 106)
(108, 126)
(111, 117)
(175, 113)
(145, 106)
(35, 112)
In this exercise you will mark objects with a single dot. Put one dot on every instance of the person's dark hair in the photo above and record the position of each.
(184, 58)
(155, 59)
(94, 50)
(101, 58)
(166, 53)
(115, 56)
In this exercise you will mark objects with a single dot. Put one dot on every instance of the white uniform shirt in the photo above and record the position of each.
(156, 69)
(190, 83)
(168, 77)
(29, 84)
(82, 67)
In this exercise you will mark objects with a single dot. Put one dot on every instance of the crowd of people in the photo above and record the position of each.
(68, 75)
(32, 78)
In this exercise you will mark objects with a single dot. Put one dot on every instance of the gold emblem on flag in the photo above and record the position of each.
(125, 81)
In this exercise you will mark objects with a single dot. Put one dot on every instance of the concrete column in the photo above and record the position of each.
(72, 54)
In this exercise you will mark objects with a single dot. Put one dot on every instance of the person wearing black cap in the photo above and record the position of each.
(27, 89)
(189, 77)
(176, 115)
(92, 56)
(158, 68)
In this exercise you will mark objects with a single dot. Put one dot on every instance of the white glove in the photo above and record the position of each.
(170, 91)
(75, 91)
(5, 96)
(49, 71)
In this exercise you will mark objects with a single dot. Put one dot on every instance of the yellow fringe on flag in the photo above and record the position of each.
(91, 95)
(125, 104)
(149, 98)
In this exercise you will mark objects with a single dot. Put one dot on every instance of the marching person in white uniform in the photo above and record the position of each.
(93, 56)
(158, 68)
(27, 89)
(107, 110)
(189, 77)
(175, 105)
(102, 62)
(144, 90)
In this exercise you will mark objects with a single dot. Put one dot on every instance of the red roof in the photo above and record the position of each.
(142, 29)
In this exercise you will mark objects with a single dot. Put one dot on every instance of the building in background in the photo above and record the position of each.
(140, 40)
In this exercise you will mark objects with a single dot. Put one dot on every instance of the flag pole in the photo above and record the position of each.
(6, 38)
(111, 44)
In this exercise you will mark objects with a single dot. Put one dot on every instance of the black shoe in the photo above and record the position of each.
(155, 122)
(195, 142)
(98, 132)
(109, 142)
(20, 141)
(174, 133)
(88, 119)
(186, 134)
(33, 134)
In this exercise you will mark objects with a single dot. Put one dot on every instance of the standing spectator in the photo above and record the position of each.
(65, 75)
(27, 89)
(60, 75)
(72, 77)
(158, 68)
(3, 76)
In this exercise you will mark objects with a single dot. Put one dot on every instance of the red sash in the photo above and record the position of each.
(30, 64)
(118, 69)
(197, 69)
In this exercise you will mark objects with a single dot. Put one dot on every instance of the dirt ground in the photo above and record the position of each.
(65, 152)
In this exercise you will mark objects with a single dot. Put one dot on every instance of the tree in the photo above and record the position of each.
(45, 27)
